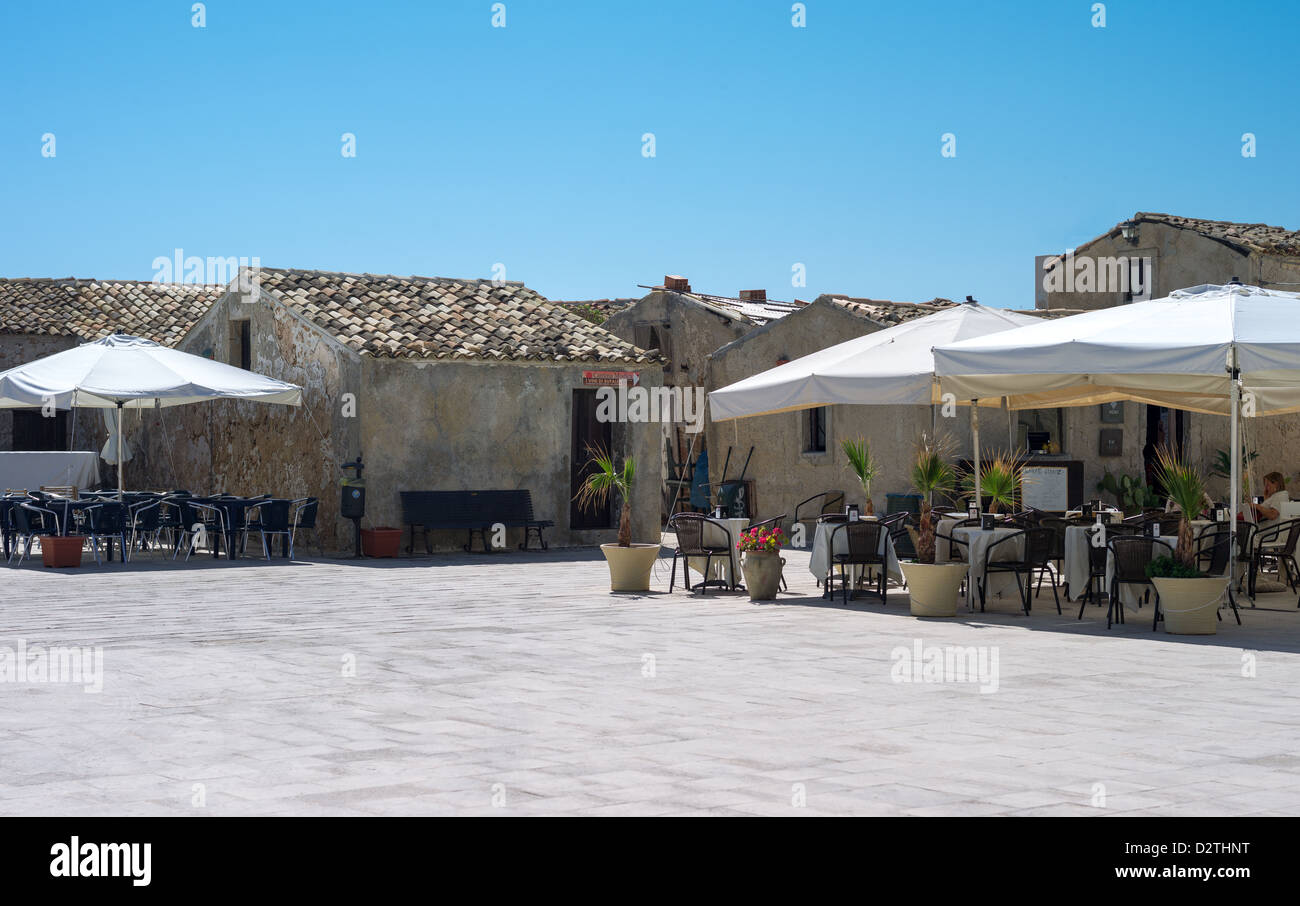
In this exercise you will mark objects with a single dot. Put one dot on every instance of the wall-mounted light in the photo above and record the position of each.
(1129, 230)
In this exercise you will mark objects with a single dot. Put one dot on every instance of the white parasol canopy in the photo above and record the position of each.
(126, 372)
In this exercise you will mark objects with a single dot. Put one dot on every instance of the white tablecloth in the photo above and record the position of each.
(1000, 584)
(1078, 538)
(29, 471)
(819, 562)
(721, 567)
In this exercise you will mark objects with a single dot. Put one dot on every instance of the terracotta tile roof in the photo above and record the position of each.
(885, 312)
(442, 318)
(597, 311)
(90, 309)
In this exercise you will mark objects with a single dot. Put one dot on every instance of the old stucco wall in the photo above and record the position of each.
(440, 425)
(252, 448)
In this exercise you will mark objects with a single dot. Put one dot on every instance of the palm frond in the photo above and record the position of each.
(860, 461)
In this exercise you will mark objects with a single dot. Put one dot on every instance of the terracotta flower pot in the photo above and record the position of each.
(933, 587)
(383, 541)
(62, 550)
(762, 571)
(629, 567)
(1191, 606)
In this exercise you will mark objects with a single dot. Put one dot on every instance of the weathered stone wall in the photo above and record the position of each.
(695, 333)
(253, 448)
(440, 425)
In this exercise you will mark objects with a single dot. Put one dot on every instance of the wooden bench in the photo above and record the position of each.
(473, 511)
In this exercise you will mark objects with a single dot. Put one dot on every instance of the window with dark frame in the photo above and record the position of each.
(815, 431)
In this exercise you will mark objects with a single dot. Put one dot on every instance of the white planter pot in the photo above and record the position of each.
(933, 587)
(629, 567)
(1191, 606)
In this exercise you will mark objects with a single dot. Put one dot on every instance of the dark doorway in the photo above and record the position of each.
(1165, 427)
(588, 432)
(35, 431)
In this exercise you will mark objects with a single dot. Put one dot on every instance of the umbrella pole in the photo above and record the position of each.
(121, 484)
(1234, 472)
(975, 441)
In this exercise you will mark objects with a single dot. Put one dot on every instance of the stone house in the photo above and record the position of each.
(441, 384)
(1157, 254)
(40, 317)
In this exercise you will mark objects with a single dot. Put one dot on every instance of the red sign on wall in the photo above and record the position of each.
(610, 378)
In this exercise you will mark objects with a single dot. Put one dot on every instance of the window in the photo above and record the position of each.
(814, 438)
(34, 430)
(241, 347)
(1140, 276)
(1041, 430)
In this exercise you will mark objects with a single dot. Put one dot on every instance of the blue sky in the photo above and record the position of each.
(522, 145)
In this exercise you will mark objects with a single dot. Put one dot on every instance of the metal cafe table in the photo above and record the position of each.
(723, 570)
(232, 519)
(819, 561)
(978, 540)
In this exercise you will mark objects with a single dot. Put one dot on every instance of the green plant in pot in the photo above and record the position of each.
(933, 588)
(1188, 598)
(629, 564)
(863, 465)
(1000, 479)
(1131, 495)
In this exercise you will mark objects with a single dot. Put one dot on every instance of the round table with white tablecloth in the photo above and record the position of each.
(722, 568)
(1078, 539)
(978, 540)
(820, 561)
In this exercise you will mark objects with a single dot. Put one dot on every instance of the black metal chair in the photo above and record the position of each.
(108, 520)
(865, 540)
(30, 522)
(304, 520)
(146, 523)
(808, 511)
(1213, 551)
(272, 517)
(690, 530)
(1097, 557)
(1269, 544)
(1033, 555)
(1132, 553)
(774, 522)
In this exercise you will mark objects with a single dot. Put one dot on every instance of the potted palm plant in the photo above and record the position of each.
(862, 464)
(932, 587)
(629, 564)
(999, 481)
(1189, 599)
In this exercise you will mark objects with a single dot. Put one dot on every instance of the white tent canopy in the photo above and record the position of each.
(891, 367)
(122, 371)
(1175, 351)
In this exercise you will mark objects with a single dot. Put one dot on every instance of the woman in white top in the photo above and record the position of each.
(1269, 513)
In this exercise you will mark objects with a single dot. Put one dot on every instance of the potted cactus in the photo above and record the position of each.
(932, 587)
(1189, 599)
(629, 564)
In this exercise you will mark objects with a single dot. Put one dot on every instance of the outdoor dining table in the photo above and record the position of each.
(71, 516)
(820, 560)
(724, 570)
(1078, 538)
(978, 540)
(234, 511)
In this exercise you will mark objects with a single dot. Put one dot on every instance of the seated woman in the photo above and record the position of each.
(1269, 513)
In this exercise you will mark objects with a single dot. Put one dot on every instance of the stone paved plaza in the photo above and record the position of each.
(516, 684)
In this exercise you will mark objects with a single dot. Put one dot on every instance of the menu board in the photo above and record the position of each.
(1045, 488)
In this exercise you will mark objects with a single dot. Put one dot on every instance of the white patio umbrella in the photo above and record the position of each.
(1198, 349)
(890, 367)
(125, 372)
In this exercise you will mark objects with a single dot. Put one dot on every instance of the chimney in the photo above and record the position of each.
(753, 295)
(677, 284)
(970, 300)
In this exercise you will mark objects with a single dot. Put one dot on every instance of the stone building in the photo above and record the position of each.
(1157, 254)
(441, 384)
(39, 317)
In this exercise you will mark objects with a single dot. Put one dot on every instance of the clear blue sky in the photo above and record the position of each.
(522, 145)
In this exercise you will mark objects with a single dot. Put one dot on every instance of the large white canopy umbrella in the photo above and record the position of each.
(1198, 349)
(126, 372)
(890, 367)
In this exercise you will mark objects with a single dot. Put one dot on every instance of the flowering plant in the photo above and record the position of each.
(761, 539)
